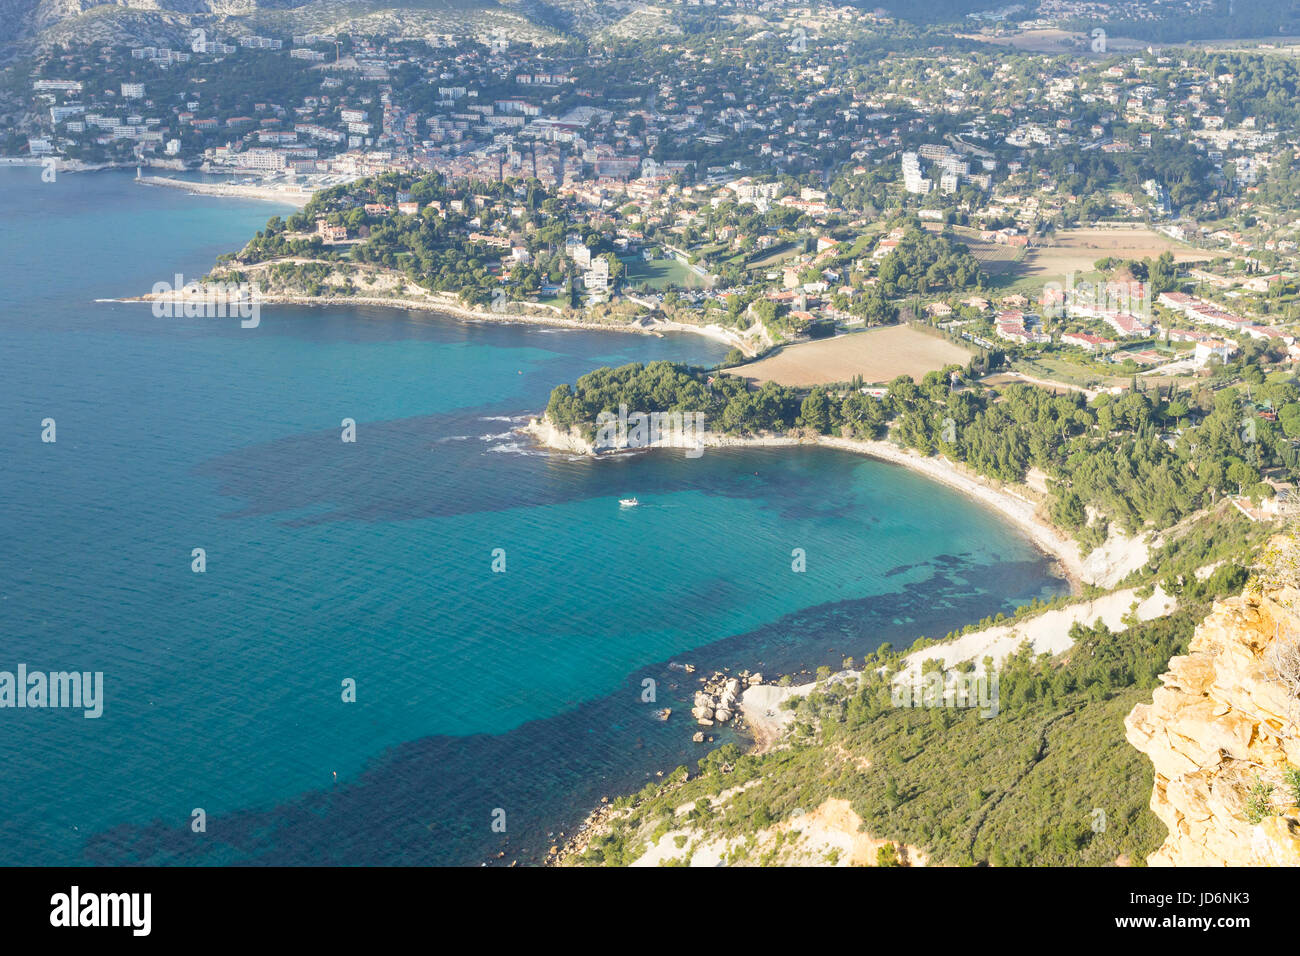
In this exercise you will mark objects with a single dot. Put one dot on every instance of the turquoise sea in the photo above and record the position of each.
(476, 691)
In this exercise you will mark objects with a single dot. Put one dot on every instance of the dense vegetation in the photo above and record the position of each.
(1143, 458)
(1092, 175)
(436, 249)
(728, 403)
(924, 263)
(1021, 788)
(1223, 18)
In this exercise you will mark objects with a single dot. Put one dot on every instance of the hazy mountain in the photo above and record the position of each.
(39, 23)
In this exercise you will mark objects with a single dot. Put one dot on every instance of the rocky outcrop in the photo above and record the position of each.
(1222, 733)
(719, 699)
(546, 433)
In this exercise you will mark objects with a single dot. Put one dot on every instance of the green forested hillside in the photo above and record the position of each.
(1144, 459)
(1049, 780)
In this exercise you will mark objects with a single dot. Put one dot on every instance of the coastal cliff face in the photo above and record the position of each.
(1222, 734)
(690, 438)
(548, 434)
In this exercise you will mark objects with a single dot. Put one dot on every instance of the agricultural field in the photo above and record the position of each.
(1075, 250)
(1071, 251)
(878, 355)
(776, 256)
(1054, 41)
(995, 259)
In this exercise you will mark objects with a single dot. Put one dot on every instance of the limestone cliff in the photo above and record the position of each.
(548, 434)
(1222, 734)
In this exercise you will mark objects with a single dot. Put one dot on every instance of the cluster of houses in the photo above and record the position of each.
(1212, 331)
(358, 123)
(506, 111)
(1025, 328)
(1014, 324)
(596, 277)
(1207, 313)
(1202, 312)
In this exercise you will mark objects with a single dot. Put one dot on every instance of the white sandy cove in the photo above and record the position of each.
(1104, 567)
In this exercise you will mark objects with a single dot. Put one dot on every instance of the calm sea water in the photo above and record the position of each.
(476, 691)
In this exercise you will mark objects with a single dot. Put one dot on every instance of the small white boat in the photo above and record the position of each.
(628, 502)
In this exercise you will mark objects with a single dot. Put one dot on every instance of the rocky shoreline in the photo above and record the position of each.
(550, 315)
(63, 165)
(739, 698)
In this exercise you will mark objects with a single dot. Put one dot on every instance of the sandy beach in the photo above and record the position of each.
(1022, 511)
(765, 719)
(1048, 632)
(751, 344)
